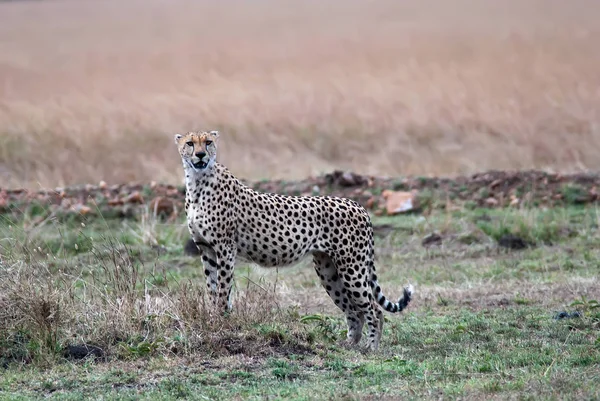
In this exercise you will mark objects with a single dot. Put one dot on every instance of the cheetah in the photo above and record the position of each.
(229, 220)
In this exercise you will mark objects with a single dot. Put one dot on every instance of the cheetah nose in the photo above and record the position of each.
(200, 155)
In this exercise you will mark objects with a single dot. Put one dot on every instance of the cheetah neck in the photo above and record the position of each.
(200, 178)
(215, 177)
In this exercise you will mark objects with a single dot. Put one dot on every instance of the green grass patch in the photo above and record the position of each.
(485, 322)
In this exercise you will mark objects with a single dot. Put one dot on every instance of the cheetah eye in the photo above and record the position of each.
(208, 143)
(189, 143)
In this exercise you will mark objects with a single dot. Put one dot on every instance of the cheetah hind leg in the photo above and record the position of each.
(380, 317)
(355, 322)
(364, 303)
(332, 283)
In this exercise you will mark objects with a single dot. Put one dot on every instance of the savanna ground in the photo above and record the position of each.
(97, 297)
(486, 322)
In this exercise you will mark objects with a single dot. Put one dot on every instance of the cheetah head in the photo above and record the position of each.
(198, 150)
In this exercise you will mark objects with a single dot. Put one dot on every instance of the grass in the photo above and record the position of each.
(423, 87)
(485, 323)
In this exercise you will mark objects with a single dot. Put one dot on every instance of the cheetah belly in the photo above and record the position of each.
(268, 254)
(275, 245)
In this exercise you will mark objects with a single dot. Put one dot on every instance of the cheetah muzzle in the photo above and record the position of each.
(200, 165)
(228, 221)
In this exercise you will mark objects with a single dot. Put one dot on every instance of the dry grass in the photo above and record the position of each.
(485, 323)
(94, 90)
(47, 309)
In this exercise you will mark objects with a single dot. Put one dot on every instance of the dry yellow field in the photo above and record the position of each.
(94, 90)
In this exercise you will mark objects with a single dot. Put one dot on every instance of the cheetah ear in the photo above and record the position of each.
(214, 134)
(177, 138)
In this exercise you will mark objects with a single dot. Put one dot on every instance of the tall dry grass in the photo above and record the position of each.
(94, 90)
(53, 304)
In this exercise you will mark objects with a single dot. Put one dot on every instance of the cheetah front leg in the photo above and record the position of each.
(209, 262)
(222, 273)
(218, 263)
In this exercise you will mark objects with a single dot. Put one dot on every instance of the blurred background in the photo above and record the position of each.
(95, 90)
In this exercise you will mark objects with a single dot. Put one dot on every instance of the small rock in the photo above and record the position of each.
(566, 315)
(134, 197)
(491, 201)
(344, 179)
(347, 180)
(432, 239)
(81, 209)
(173, 192)
(399, 202)
(102, 185)
(512, 242)
(383, 229)
(115, 202)
(504, 302)
(83, 351)
(495, 183)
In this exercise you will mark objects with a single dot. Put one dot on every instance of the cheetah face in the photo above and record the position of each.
(198, 150)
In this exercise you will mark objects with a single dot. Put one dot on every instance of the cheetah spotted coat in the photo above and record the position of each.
(229, 220)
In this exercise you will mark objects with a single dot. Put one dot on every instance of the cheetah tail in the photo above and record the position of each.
(391, 306)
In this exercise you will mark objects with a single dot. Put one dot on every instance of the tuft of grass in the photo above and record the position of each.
(587, 305)
(283, 370)
(533, 226)
(574, 194)
(327, 327)
(106, 294)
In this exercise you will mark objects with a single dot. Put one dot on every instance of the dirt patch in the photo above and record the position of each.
(508, 295)
(251, 345)
(491, 189)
